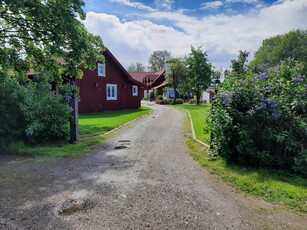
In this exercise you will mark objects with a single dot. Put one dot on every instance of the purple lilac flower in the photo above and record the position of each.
(67, 98)
(263, 76)
(276, 68)
(298, 79)
(261, 96)
(226, 102)
(261, 106)
(271, 103)
(223, 95)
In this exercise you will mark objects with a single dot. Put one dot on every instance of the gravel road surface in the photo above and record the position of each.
(142, 178)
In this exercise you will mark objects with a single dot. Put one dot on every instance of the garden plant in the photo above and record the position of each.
(259, 118)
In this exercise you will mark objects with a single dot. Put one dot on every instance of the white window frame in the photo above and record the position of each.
(111, 92)
(134, 90)
(101, 69)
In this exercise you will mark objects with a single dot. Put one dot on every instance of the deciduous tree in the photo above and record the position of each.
(137, 67)
(290, 46)
(157, 60)
(35, 34)
(199, 71)
(178, 74)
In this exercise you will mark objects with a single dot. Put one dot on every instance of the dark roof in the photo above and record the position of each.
(147, 77)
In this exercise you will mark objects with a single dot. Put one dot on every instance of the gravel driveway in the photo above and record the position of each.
(142, 178)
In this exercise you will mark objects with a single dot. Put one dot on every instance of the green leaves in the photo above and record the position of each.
(158, 59)
(35, 34)
(199, 70)
(259, 118)
(288, 47)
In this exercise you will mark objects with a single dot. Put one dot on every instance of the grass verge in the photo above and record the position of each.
(198, 114)
(90, 125)
(275, 186)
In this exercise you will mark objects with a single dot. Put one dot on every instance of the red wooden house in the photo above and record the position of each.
(108, 87)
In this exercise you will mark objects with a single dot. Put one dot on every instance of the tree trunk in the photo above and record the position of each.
(197, 97)
(174, 87)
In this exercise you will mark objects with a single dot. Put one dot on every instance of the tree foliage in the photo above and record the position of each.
(137, 67)
(239, 66)
(35, 34)
(158, 59)
(199, 70)
(290, 46)
(178, 74)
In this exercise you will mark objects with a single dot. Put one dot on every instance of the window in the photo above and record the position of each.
(111, 92)
(134, 90)
(101, 70)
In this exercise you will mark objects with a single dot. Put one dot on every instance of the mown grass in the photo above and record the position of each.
(198, 114)
(279, 187)
(100, 123)
(90, 125)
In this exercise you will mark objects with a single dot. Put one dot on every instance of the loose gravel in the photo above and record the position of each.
(142, 178)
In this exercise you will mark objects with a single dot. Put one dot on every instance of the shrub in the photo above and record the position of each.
(192, 101)
(160, 97)
(162, 102)
(300, 163)
(12, 122)
(179, 101)
(33, 112)
(260, 119)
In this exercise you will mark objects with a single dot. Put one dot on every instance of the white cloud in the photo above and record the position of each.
(212, 5)
(136, 5)
(221, 35)
(164, 4)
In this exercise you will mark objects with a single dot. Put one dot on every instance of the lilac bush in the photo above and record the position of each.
(260, 119)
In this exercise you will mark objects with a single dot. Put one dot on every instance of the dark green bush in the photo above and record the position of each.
(160, 97)
(33, 112)
(300, 163)
(260, 119)
(12, 121)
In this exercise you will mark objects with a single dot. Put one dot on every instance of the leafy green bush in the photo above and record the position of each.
(259, 119)
(300, 163)
(12, 122)
(33, 112)
(192, 101)
(179, 101)
(160, 97)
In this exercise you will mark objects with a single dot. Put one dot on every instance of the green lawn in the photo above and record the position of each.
(198, 114)
(90, 125)
(100, 123)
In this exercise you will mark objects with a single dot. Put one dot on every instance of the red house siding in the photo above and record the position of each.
(93, 88)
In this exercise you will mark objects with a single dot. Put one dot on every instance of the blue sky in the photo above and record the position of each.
(133, 29)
